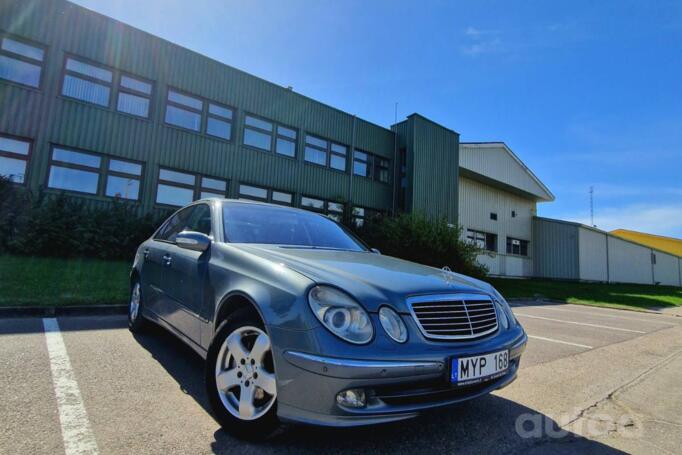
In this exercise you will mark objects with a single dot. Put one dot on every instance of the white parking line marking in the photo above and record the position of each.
(552, 340)
(76, 432)
(599, 314)
(579, 323)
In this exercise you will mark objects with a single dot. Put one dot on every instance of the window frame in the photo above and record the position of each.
(103, 172)
(372, 166)
(19, 156)
(184, 107)
(196, 188)
(115, 86)
(121, 89)
(94, 80)
(510, 251)
(10, 54)
(274, 135)
(367, 213)
(485, 239)
(268, 196)
(329, 152)
(204, 114)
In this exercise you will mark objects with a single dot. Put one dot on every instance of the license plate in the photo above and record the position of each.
(469, 370)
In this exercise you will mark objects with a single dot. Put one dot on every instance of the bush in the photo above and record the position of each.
(417, 238)
(60, 226)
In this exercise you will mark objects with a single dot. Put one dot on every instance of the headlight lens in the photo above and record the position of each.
(340, 314)
(505, 307)
(392, 324)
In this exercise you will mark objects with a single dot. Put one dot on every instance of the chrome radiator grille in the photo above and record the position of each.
(455, 316)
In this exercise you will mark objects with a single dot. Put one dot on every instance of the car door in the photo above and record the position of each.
(185, 276)
(157, 262)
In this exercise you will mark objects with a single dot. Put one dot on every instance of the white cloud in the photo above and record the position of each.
(661, 220)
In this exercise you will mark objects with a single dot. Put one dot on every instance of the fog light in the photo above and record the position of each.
(352, 398)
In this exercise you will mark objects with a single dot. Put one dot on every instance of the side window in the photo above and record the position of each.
(200, 219)
(176, 224)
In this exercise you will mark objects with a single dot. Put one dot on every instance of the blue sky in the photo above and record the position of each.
(586, 93)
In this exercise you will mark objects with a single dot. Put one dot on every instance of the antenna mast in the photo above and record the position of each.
(592, 207)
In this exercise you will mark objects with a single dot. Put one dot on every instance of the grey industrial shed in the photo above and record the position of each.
(574, 251)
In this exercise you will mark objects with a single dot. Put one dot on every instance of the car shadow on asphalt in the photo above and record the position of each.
(490, 424)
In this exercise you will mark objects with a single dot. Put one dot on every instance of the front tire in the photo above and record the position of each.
(240, 378)
(136, 322)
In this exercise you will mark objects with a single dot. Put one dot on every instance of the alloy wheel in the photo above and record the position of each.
(134, 306)
(245, 375)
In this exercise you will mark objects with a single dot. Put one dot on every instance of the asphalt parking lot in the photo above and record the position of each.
(591, 380)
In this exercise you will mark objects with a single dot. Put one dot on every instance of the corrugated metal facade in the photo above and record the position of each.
(514, 213)
(46, 117)
(497, 162)
(593, 253)
(432, 167)
(629, 262)
(571, 251)
(555, 249)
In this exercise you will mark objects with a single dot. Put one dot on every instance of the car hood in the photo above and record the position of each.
(371, 278)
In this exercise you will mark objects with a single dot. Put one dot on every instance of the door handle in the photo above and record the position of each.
(145, 253)
(167, 260)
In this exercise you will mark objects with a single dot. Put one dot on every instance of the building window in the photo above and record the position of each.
(325, 153)
(211, 187)
(254, 193)
(219, 122)
(371, 166)
(183, 110)
(81, 171)
(21, 62)
(361, 215)
(14, 155)
(178, 188)
(333, 210)
(258, 133)
(286, 142)
(86, 82)
(282, 198)
(316, 150)
(134, 96)
(314, 204)
(493, 216)
(337, 159)
(123, 179)
(257, 193)
(517, 246)
(483, 240)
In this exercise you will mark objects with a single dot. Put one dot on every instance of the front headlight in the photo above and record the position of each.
(392, 324)
(505, 307)
(339, 313)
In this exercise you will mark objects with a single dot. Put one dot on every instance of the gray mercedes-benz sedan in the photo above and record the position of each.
(299, 321)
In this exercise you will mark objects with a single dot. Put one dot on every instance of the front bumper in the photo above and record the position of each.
(396, 389)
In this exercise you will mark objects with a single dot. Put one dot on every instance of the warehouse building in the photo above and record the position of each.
(498, 197)
(572, 251)
(668, 244)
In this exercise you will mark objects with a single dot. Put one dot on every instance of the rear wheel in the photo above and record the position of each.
(136, 322)
(240, 378)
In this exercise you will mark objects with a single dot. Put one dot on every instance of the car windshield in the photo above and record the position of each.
(254, 223)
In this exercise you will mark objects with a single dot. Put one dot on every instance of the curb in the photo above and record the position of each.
(80, 310)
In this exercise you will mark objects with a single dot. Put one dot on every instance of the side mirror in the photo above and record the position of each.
(375, 251)
(195, 241)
